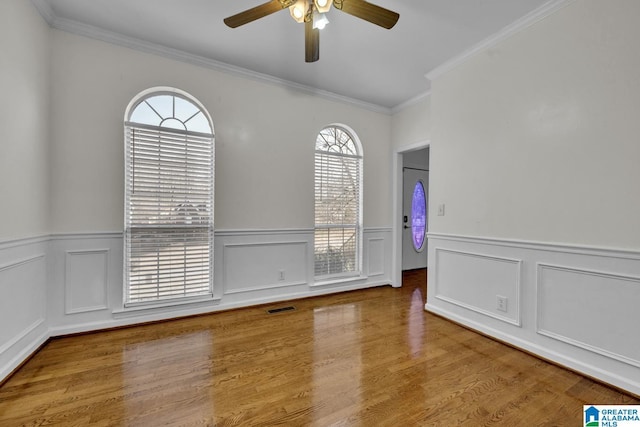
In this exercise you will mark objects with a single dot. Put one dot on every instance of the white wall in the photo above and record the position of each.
(410, 130)
(534, 152)
(537, 137)
(24, 181)
(24, 121)
(412, 124)
(265, 140)
(265, 137)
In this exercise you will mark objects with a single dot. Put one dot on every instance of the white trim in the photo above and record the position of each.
(261, 232)
(410, 102)
(171, 91)
(378, 229)
(541, 266)
(21, 262)
(6, 346)
(13, 243)
(220, 232)
(545, 352)
(544, 331)
(44, 8)
(67, 289)
(23, 355)
(153, 307)
(89, 235)
(544, 246)
(337, 280)
(100, 34)
(370, 272)
(265, 288)
(518, 320)
(285, 284)
(526, 21)
(128, 317)
(396, 207)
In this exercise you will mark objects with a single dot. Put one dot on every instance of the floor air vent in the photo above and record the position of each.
(281, 309)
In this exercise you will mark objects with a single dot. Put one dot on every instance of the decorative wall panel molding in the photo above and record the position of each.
(23, 321)
(578, 305)
(70, 283)
(22, 304)
(19, 336)
(571, 309)
(86, 280)
(474, 281)
(264, 265)
(376, 256)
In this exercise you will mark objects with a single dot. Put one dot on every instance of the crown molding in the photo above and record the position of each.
(410, 102)
(44, 9)
(111, 37)
(526, 21)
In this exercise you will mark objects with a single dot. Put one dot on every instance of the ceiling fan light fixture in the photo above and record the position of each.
(320, 21)
(323, 6)
(299, 10)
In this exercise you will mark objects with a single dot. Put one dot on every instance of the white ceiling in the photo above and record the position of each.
(358, 60)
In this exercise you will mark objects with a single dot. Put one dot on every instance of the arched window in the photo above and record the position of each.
(338, 203)
(169, 173)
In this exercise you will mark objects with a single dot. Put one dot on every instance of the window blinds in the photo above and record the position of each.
(168, 213)
(337, 213)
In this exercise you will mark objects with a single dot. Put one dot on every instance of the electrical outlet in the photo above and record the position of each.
(281, 275)
(501, 303)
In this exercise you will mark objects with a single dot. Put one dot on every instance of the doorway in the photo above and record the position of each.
(415, 185)
(412, 156)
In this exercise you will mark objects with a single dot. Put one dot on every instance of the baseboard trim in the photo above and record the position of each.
(23, 357)
(611, 381)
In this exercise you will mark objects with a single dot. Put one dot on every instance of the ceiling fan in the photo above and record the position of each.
(311, 13)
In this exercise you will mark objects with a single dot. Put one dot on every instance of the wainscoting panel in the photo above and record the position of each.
(571, 309)
(376, 257)
(377, 254)
(20, 283)
(69, 283)
(475, 281)
(257, 266)
(23, 322)
(579, 306)
(86, 280)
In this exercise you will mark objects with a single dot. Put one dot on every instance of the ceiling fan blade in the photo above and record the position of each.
(311, 42)
(369, 12)
(254, 13)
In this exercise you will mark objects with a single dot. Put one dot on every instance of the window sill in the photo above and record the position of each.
(338, 280)
(162, 307)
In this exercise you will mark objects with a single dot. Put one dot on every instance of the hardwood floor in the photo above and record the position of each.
(366, 358)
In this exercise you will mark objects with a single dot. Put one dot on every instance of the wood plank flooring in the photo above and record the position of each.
(362, 358)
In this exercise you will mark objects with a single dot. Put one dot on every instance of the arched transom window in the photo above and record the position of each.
(169, 174)
(338, 203)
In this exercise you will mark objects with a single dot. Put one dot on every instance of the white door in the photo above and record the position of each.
(415, 207)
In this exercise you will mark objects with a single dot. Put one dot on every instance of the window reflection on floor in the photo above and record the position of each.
(415, 332)
(336, 350)
(167, 369)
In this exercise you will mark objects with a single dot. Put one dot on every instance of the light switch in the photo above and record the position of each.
(441, 210)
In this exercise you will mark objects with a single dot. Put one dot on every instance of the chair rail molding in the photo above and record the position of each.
(576, 305)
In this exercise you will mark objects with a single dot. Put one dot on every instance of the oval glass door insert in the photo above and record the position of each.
(418, 216)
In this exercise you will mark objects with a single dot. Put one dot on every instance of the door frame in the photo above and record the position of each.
(397, 190)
